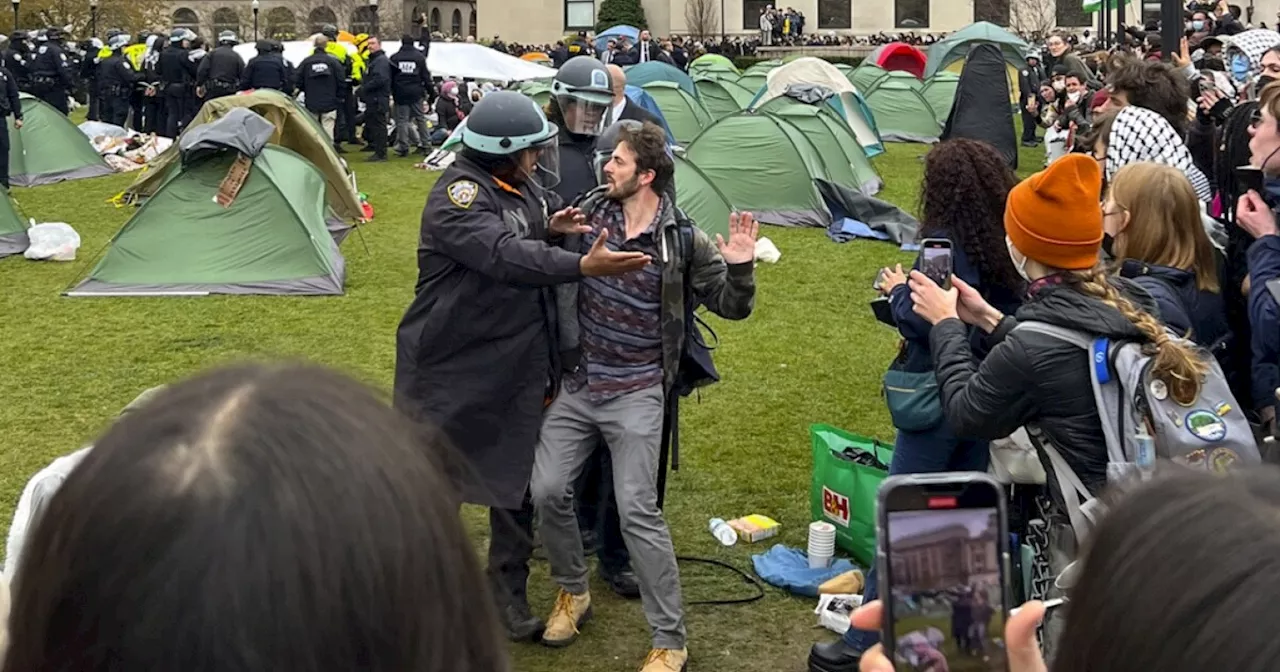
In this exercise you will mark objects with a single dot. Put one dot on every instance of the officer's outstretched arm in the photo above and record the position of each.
(481, 240)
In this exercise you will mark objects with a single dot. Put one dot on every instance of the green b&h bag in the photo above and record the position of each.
(847, 471)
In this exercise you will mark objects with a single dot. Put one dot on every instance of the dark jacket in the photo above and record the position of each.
(410, 79)
(1033, 377)
(18, 62)
(1264, 318)
(447, 112)
(116, 75)
(320, 78)
(51, 63)
(267, 71)
(377, 79)
(1182, 306)
(10, 98)
(915, 329)
(475, 350)
(1075, 66)
(220, 71)
(726, 290)
(577, 170)
(1029, 79)
(176, 67)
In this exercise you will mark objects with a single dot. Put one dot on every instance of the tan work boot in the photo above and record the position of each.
(666, 660)
(569, 614)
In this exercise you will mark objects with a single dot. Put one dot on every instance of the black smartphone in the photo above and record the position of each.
(881, 308)
(944, 571)
(935, 260)
(1248, 178)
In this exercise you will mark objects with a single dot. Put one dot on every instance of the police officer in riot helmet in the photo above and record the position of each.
(476, 351)
(17, 58)
(219, 73)
(51, 75)
(9, 105)
(177, 74)
(117, 79)
(268, 70)
(581, 94)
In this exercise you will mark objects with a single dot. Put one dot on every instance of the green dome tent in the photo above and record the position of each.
(902, 76)
(865, 77)
(809, 78)
(657, 71)
(270, 238)
(955, 47)
(49, 148)
(13, 231)
(765, 165)
(754, 81)
(940, 91)
(700, 200)
(847, 165)
(708, 63)
(722, 97)
(902, 114)
(845, 69)
(539, 91)
(684, 114)
(763, 67)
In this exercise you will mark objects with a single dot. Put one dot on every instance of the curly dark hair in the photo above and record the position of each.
(962, 198)
(1155, 86)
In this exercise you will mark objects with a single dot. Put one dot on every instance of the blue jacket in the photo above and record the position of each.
(1183, 307)
(915, 330)
(1264, 317)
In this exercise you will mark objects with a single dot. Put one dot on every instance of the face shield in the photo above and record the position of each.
(598, 161)
(546, 170)
(583, 113)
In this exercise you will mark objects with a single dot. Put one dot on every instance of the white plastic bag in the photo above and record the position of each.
(767, 252)
(53, 241)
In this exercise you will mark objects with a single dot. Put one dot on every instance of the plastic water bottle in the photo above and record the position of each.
(721, 530)
(1146, 457)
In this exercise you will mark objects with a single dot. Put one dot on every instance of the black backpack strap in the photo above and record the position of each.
(669, 450)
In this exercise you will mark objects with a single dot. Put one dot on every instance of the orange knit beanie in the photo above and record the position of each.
(1054, 217)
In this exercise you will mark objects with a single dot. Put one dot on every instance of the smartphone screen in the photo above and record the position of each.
(935, 260)
(945, 554)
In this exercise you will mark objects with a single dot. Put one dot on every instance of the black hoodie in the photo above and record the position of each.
(1029, 376)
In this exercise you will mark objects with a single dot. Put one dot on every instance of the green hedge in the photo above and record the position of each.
(744, 62)
(620, 12)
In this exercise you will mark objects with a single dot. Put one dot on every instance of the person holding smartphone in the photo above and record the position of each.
(963, 194)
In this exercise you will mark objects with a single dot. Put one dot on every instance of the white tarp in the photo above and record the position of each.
(460, 60)
(810, 70)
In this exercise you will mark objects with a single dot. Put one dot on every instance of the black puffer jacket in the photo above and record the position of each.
(1182, 305)
(1034, 377)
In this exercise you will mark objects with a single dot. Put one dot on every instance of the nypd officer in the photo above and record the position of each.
(17, 58)
(51, 75)
(476, 358)
(9, 104)
(177, 74)
(219, 73)
(581, 94)
(320, 78)
(117, 79)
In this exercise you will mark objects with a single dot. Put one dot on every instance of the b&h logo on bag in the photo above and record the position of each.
(835, 506)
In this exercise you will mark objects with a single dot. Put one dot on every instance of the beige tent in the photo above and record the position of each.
(294, 129)
(815, 71)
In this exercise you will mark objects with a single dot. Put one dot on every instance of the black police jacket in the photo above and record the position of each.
(18, 63)
(51, 63)
(175, 67)
(377, 78)
(320, 77)
(410, 79)
(267, 71)
(9, 102)
(221, 69)
(577, 169)
(116, 75)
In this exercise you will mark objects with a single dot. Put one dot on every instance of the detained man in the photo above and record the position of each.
(627, 335)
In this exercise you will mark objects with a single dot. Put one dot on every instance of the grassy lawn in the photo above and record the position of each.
(811, 353)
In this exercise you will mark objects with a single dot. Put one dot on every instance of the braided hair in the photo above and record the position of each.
(1176, 362)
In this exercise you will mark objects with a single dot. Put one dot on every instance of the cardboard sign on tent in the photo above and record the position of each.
(815, 72)
(700, 200)
(13, 230)
(902, 114)
(49, 148)
(940, 91)
(295, 129)
(764, 165)
(980, 111)
(683, 113)
(900, 56)
(213, 228)
(657, 71)
(722, 97)
(847, 165)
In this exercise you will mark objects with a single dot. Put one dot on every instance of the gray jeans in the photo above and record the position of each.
(409, 115)
(631, 425)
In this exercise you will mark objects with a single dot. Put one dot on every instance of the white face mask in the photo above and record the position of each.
(1059, 86)
(1019, 259)
(1074, 97)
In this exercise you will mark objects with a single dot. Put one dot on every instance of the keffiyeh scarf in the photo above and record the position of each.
(1139, 134)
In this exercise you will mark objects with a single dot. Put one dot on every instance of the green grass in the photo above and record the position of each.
(811, 353)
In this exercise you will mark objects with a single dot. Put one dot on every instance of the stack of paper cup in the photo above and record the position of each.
(822, 544)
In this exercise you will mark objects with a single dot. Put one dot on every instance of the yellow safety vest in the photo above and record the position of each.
(357, 66)
(135, 52)
(338, 51)
(103, 54)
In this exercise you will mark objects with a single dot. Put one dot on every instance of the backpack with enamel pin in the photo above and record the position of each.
(1139, 412)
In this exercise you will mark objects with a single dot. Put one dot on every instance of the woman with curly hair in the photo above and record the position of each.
(962, 199)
